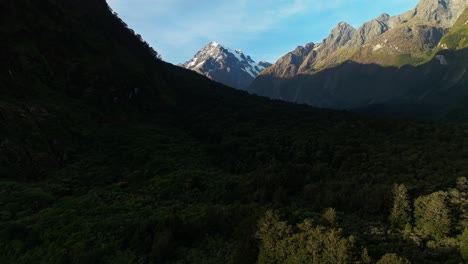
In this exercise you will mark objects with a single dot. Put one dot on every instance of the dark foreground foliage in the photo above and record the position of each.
(109, 155)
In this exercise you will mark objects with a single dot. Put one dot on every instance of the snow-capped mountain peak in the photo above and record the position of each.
(214, 44)
(229, 66)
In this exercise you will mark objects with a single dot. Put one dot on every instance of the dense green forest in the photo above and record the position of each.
(110, 155)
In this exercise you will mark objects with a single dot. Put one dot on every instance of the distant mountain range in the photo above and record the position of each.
(225, 65)
(417, 59)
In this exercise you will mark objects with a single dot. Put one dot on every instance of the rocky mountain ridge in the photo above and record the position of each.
(413, 32)
(304, 58)
(414, 59)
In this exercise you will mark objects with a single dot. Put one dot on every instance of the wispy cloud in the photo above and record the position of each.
(180, 27)
(177, 23)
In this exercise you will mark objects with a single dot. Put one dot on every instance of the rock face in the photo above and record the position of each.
(442, 12)
(224, 65)
(288, 65)
(415, 31)
(338, 38)
(423, 28)
(457, 37)
(418, 57)
(407, 43)
(304, 58)
(369, 31)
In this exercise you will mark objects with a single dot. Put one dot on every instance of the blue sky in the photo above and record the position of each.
(264, 29)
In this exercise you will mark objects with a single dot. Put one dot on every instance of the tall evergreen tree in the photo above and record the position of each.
(401, 210)
(464, 244)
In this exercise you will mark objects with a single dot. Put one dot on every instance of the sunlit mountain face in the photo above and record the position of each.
(392, 65)
(230, 67)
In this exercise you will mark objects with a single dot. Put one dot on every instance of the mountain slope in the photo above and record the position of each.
(227, 66)
(367, 70)
(413, 33)
(457, 38)
(415, 40)
(304, 59)
(109, 155)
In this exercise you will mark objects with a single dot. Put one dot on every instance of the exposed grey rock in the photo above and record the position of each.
(439, 13)
(387, 60)
(288, 65)
(339, 36)
(369, 31)
(443, 12)
(304, 58)
(384, 17)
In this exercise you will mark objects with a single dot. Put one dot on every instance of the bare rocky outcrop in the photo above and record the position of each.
(304, 58)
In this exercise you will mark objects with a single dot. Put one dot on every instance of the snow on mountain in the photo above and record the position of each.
(225, 65)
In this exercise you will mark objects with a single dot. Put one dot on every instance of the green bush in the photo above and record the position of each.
(393, 259)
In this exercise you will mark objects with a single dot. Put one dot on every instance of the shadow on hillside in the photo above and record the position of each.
(434, 90)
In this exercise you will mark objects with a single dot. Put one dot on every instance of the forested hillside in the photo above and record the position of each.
(110, 155)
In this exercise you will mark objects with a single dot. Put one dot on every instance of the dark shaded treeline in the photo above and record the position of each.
(432, 91)
(109, 155)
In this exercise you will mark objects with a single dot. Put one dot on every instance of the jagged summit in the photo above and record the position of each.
(383, 17)
(225, 65)
(214, 44)
(304, 58)
(343, 25)
(341, 34)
